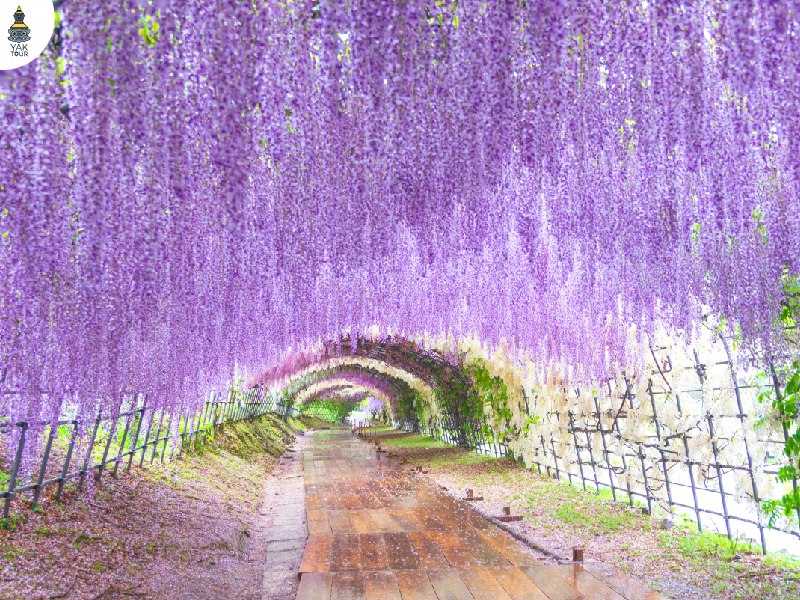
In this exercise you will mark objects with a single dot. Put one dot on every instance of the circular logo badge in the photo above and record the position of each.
(26, 27)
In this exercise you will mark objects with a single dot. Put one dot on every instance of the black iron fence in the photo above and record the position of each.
(138, 435)
(458, 431)
(692, 438)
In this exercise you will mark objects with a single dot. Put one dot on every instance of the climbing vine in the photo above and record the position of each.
(785, 400)
(491, 391)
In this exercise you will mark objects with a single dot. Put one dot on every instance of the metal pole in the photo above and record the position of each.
(12, 482)
(555, 457)
(719, 475)
(65, 469)
(624, 463)
(700, 369)
(87, 461)
(136, 436)
(591, 459)
(544, 450)
(660, 450)
(122, 445)
(605, 449)
(38, 489)
(111, 435)
(577, 448)
(619, 432)
(646, 485)
(691, 473)
(147, 435)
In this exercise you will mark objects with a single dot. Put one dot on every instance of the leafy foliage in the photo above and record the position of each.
(333, 408)
(785, 400)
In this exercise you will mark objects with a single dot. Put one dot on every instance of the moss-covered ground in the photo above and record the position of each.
(182, 529)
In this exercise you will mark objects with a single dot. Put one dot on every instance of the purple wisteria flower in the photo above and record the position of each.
(231, 180)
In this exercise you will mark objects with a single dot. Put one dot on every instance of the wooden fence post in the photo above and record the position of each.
(111, 435)
(179, 439)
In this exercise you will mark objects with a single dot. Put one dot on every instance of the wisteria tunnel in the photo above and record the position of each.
(292, 275)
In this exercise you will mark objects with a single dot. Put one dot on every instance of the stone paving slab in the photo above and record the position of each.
(286, 545)
(288, 531)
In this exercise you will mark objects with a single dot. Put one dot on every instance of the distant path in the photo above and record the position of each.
(377, 532)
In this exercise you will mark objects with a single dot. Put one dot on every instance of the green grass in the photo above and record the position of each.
(415, 441)
(734, 567)
(780, 560)
(594, 521)
(13, 522)
(470, 458)
(698, 546)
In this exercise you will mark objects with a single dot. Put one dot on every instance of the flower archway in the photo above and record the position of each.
(187, 189)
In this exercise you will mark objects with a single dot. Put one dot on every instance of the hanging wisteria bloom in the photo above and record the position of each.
(190, 186)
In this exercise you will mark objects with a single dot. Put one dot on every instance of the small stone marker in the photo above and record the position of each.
(577, 554)
(507, 517)
(471, 498)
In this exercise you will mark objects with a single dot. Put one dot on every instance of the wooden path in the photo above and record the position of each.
(378, 532)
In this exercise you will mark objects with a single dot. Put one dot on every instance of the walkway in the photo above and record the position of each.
(378, 532)
(286, 535)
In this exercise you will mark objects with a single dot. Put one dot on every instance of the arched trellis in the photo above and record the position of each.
(348, 373)
(435, 390)
(342, 382)
(397, 391)
(432, 366)
(332, 401)
(441, 371)
(743, 275)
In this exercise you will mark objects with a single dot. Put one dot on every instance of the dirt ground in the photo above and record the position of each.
(187, 530)
(678, 562)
